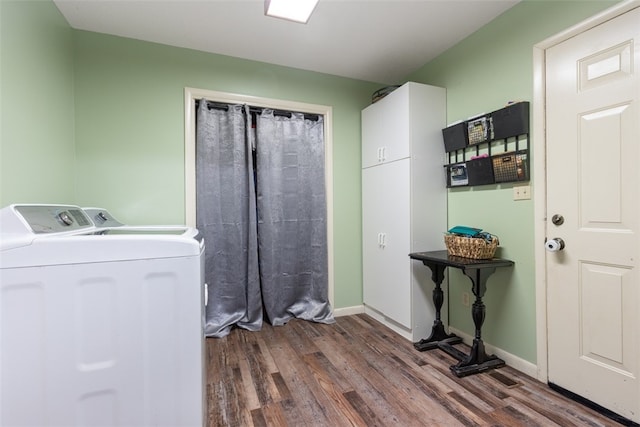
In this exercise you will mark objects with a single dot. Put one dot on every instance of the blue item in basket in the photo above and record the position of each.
(462, 230)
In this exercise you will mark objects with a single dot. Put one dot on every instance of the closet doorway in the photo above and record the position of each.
(193, 94)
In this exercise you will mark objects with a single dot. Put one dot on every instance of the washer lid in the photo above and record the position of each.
(99, 248)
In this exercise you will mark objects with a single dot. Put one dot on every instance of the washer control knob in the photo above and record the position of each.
(554, 245)
(65, 218)
(102, 216)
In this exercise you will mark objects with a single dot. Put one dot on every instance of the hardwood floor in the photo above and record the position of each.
(357, 372)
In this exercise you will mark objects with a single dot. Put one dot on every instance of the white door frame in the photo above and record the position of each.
(191, 94)
(540, 168)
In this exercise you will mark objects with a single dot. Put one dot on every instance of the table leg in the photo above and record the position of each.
(477, 360)
(438, 333)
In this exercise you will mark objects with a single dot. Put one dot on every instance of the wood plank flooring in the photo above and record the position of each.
(357, 372)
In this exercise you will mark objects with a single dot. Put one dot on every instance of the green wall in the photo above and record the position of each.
(37, 160)
(129, 100)
(481, 74)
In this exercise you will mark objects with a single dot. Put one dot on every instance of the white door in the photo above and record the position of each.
(593, 158)
(386, 240)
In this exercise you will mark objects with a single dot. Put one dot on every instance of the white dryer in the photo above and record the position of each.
(99, 328)
(106, 224)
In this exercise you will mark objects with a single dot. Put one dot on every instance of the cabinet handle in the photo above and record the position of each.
(382, 240)
(382, 154)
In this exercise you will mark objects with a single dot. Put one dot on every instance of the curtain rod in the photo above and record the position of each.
(254, 109)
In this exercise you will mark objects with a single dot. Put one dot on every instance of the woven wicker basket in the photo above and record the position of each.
(470, 247)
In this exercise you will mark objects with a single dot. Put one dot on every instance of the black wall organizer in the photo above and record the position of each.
(489, 149)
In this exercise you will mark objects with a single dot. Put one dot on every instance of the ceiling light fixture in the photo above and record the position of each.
(292, 10)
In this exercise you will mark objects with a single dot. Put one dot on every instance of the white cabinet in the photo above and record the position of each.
(404, 205)
(385, 136)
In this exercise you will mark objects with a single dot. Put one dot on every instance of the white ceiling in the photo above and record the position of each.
(373, 40)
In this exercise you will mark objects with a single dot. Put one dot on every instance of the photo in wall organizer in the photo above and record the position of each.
(478, 130)
(510, 167)
(457, 175)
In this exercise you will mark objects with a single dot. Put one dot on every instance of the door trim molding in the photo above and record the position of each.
(191, 94)
(540, 168)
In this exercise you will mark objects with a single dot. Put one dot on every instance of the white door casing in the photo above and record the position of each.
(592, 180)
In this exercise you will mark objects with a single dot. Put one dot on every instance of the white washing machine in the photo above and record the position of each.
(97, 326)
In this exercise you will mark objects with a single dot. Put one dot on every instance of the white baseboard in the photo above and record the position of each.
(515, 362)
(389, 323)
(360, 309)
(348, 311)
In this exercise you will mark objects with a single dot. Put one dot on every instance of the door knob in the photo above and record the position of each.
(554, 245)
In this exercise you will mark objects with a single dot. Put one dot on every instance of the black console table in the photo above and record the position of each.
(478, 270)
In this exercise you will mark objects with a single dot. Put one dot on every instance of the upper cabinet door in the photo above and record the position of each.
(385, 129)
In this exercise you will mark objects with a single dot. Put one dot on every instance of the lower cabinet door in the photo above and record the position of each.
(386, 240)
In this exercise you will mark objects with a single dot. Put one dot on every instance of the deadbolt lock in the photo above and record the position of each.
(557, 219)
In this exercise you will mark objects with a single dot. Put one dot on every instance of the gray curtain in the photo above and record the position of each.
(292, 226)
(226, 215)
(265, 224)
